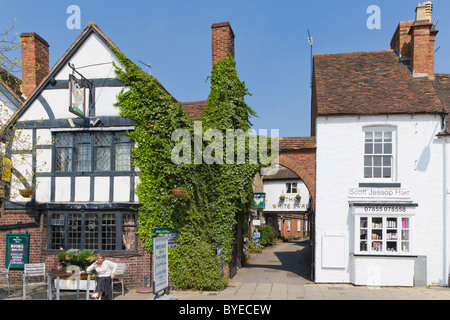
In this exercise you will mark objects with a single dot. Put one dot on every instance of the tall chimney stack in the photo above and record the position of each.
(35, 61)
(414, 41)
(222, 41)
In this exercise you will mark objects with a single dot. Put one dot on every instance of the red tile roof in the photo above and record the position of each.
(194, 109)
(296, 143)
(368, 83)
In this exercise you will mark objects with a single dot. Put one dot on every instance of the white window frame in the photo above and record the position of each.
(377, 130)
(386, 234)
(291, 187)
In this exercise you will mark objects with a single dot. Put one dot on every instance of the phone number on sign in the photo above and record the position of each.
(385, 209)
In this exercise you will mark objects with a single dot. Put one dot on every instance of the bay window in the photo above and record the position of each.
(386, 235)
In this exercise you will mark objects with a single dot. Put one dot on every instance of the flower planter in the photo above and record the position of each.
(179, 193)
(71, 284)
(26, 193)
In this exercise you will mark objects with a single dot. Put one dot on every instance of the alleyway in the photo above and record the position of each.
(286, 262)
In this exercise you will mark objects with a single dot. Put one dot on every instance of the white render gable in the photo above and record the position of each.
(45, 118)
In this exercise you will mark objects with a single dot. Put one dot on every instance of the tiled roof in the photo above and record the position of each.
(12, 83)
(296, 143)
(194, 109)
(282, 173)
(367, 83)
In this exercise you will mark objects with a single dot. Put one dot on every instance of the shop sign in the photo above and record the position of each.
(394, 209)
(379, 193)
(165, 232)
(17, 250)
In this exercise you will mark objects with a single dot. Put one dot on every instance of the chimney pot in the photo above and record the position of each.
(424, 12)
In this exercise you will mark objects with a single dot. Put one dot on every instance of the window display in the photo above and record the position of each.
(384, 235)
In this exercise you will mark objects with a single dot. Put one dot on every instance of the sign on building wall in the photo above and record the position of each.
(379, 193)
(77, 102)
(17, 250)
(285, 196)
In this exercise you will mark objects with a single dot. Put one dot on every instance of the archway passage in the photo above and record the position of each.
(286, 262)
(294, 258)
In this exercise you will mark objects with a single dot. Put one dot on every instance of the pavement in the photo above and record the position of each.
(279, 272)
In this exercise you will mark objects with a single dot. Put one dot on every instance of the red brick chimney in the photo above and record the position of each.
(35, 61)
(414, 41)
(222, 41)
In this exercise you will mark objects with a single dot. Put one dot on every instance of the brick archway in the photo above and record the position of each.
(289, 161)
(298, 154)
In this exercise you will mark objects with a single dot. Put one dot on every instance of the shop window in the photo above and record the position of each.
(378, 154)
(109, 232)
(92, 151)
(383, 235)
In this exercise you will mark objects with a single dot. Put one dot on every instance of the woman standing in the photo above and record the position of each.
(105, 270)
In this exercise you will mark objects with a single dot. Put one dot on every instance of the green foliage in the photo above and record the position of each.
(195, 265)
(267, 234)
(216, 193)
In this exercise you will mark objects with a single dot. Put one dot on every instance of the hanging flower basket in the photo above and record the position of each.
(179, 192)
(26, 193)
(298, 197)
(282, 198)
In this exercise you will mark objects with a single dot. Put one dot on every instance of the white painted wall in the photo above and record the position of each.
(418, 160)
(274, 189)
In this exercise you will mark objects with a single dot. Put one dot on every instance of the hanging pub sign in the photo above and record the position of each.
(258, 200)
(77, 101)
(17, 250)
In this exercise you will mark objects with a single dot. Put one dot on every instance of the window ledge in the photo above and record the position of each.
(382, 255)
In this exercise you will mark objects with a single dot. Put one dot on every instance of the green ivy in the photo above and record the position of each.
(217, 194)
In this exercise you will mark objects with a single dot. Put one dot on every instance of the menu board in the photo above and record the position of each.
(17, 250)
(161, 267)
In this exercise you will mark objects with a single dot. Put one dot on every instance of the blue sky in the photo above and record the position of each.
(272, 50)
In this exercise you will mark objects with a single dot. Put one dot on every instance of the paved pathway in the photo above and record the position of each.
(280, 272)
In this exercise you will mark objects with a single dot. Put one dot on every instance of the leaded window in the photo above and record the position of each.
(104, 231)
(64, 145)
(92, 151)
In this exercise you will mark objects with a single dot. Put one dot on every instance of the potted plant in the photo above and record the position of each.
(81, 258)
(70, 261)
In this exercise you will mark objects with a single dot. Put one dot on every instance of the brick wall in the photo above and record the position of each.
(35, 61)
(137, 264)
(222, 41)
